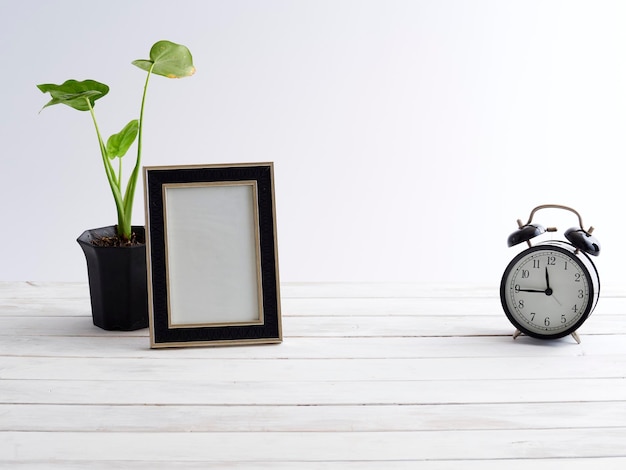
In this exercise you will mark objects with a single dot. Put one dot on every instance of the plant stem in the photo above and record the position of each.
(119, 173)
(132, 181)
(110, 172)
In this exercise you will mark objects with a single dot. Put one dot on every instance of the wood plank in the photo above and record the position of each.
(474, 464)
(134, 346)
(309, 393)
(279, 371)
(312, 447)
(43, 290)
(319, 348)
(296, 418)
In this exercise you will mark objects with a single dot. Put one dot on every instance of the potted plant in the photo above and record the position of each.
(116, 255)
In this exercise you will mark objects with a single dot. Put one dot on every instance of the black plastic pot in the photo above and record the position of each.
(117, 281)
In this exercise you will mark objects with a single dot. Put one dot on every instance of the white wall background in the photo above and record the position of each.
(407, 136)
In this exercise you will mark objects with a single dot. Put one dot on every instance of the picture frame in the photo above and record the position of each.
(211, 255)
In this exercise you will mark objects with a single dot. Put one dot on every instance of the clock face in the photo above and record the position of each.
(549, 290)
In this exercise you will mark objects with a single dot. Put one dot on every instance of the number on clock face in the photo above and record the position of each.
(546, 291)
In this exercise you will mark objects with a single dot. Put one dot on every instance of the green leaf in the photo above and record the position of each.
(75, 94)
(118, 144)
(169, 60)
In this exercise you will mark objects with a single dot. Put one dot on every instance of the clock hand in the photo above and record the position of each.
(538, 291)
(548, 290)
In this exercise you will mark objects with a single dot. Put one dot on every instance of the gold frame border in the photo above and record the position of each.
(257, 248)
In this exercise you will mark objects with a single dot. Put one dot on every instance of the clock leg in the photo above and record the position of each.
(576, 337)
(516, 334)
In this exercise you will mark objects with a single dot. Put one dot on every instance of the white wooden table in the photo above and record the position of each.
(368, 377)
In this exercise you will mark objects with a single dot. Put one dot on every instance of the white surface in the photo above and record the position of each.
(408, 135)
(369, 376)
(212, 254)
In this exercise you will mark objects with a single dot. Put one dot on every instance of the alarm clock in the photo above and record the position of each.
(549, 290)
